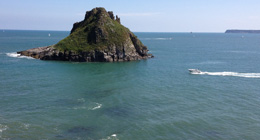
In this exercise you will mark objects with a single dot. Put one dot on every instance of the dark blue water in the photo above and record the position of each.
(149, 99)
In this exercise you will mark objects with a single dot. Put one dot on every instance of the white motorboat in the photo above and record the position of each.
(194, 71)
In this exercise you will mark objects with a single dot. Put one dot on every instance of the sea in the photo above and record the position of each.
(153, 99)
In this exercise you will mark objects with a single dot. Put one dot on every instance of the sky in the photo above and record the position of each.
(137, 15)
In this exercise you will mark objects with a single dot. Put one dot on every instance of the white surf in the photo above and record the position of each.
(16, 55)
(236, 74)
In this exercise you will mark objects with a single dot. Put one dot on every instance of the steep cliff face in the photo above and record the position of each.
(99, 37)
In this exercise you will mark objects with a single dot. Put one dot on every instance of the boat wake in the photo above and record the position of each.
(236, 74)
(16, 55)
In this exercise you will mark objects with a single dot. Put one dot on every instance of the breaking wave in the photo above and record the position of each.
(2, 128)
(16, 55)
(236, 74)
(112, 137)
(97, 107)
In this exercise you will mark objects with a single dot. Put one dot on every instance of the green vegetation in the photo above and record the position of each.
(100, 37)
(96, 32)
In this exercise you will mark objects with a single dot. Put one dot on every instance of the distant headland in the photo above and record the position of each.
(243, 31)
(100, 37)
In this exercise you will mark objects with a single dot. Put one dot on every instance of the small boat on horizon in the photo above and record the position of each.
(194, 71)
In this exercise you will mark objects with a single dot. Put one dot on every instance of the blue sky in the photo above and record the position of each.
(137, 15)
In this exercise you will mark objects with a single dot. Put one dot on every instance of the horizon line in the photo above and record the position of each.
(132, 31)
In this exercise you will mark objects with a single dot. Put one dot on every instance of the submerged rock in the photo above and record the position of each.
(100, 37)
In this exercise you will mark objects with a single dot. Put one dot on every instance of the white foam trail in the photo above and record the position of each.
(97, 107)
(16, 55)
(236, 74)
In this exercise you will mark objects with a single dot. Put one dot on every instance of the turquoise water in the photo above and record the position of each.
(148, 99)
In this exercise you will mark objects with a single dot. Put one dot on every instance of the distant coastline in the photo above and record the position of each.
(243, 31)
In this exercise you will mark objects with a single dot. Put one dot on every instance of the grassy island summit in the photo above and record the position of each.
(100, 37)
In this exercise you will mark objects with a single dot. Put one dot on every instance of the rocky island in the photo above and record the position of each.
(243, 31)
(100, 37)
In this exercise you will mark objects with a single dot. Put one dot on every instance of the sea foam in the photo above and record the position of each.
(236, 74)
(3, 128)
(16, 55)
(26, 126)
(112, 137)
(97, 107)
(81, 100)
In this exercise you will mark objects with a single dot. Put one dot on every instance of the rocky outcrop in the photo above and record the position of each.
(100, 37)
(243, 31)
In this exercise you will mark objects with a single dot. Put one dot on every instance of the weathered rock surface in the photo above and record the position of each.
(100, 37)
